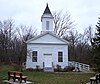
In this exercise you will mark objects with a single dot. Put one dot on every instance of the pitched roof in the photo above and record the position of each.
(47, 10)
(65, 42)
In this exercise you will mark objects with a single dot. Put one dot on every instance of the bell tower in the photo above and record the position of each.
(47, 20)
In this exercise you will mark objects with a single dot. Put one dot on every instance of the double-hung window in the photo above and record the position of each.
(60, 56)
(34, 56)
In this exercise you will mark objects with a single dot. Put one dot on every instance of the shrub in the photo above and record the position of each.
(68, 69)
(30, 69)
(58, 68)
(37, 68)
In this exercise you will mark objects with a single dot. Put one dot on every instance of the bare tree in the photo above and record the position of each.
(6, 37)
(12, 42)
(73, 38)
(84, 48)
(62, 23)
(80, 48)
(89, 33)
(24, 33)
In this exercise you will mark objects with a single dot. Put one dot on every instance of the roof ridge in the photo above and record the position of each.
(46, 34)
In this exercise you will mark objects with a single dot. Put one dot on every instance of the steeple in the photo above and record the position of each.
(47, 10)
(47, 20)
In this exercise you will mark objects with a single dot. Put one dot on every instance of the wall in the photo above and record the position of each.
(47, 18)
(44, 48)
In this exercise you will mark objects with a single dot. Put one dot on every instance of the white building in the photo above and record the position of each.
(47, 50)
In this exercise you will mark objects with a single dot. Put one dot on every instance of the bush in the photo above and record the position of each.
(58, 68)
(68, 69)
(38, 68)
(30, 69)
(95, 69)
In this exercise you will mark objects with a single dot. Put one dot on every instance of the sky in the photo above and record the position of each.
(29, 12)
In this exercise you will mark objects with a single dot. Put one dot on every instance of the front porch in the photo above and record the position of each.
(49, 68)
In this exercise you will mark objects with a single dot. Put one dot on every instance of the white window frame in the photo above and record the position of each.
(34, 57)
(60, 56)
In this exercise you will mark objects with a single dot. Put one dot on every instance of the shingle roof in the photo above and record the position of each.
(47, 10)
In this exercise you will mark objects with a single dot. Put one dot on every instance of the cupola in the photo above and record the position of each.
(47, 20)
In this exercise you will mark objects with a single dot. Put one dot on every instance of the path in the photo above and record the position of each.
(11, 82)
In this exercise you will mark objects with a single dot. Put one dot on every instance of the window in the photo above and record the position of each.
(34, 56)
(60, 56)
(47, 25)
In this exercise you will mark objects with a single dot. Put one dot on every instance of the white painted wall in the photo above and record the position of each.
(47, 17)
(44, 24)
(47, 49)
(48, 39)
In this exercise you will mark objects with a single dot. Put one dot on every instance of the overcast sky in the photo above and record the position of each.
(28, 12)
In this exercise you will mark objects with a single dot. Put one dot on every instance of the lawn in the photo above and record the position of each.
(48, 78)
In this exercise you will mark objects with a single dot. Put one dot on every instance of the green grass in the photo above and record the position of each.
(3, 72)
(49, 78)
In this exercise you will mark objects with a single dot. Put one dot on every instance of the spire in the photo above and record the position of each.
(47, 10)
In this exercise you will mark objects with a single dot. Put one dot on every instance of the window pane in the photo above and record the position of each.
(60, 56)
(34, 59)
(47, 25)
(60, 59)
(34, 56)
(34, 53)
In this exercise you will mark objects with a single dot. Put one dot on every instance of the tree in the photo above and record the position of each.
(73, 39)
(24, 33)
(12, 42)
(80, 48)
(6, 36)
(96, 46)
(83, 49)
(62, 23)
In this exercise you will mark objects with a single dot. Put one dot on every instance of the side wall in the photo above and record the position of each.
(46, 49)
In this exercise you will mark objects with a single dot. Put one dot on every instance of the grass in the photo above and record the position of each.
(3, 72)
(48, 78)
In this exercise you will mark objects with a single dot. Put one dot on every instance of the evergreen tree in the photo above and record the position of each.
(96, 46)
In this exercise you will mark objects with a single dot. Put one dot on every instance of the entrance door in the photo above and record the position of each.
(48, 60)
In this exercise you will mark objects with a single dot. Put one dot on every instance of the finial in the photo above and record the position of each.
(47, 3)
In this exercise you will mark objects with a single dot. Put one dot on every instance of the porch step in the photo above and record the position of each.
(48, 69)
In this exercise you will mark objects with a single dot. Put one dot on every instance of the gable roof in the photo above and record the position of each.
(47, 10)
(46, 33)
